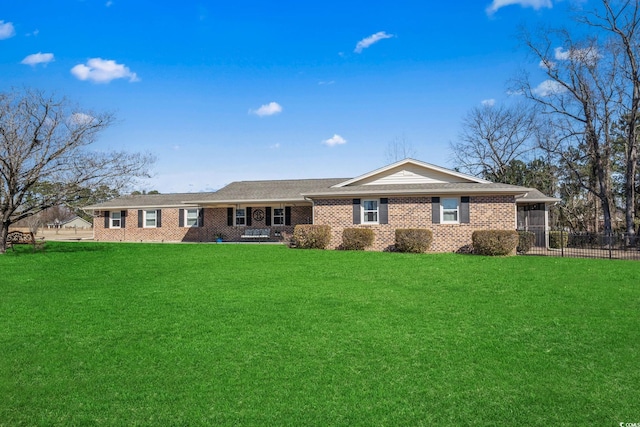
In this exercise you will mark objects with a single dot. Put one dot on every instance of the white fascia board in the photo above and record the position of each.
(392, 192)
(417, 163)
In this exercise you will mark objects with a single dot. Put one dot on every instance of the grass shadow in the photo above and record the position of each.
(57, 247)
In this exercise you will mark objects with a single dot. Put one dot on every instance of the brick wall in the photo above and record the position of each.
(218, 223)
(169, 231)
(485, 212)
(214, 223)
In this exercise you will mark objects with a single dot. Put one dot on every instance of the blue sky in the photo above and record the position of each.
(243, 90)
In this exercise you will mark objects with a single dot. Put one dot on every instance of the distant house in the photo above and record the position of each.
(75, 222)
(405, 194)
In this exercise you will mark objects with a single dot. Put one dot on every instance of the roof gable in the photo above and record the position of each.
(410, 171)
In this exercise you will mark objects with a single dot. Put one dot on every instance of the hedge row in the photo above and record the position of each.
(414, 240)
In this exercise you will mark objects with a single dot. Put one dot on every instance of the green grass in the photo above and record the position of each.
(145, 334)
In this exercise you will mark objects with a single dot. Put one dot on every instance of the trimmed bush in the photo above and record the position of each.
(494, 242)
(558, 239)
(310, 236)
(414, 240)
(356, 239)
(526, 241)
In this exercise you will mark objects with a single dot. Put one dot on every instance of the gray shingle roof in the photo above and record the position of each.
(290, 190)
(149, 201)
(426, 189)
(297, 190)
(536, 196)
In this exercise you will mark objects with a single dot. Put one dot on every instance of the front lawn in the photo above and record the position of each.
(205, 334)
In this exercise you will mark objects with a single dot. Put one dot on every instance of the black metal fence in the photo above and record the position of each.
(580, 245)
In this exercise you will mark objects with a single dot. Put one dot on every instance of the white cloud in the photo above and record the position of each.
(100, 70)
(368, 41)
(81, 119)
(334, 140)
(267, 110)
(6, 30)
(548, 87)
(37, 58)
(535, 4)
(275, 146)
(547, 64)
(587, 55)
(488, 102)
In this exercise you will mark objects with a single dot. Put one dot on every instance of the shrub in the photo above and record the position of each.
(494, 242)
(356, 239)
(414, 240)
(558, 239)
(310, 236)
(526, 240)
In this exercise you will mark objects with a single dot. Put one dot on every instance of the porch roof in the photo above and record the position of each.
(536, 196)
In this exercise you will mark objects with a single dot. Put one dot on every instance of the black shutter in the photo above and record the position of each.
(106, 219)
(158, 218)
(267, 219)
(123, 216)
(435, 210)
(356, 211)
(200, 217)
(464, 210)
(287, 215)
(140, 219)
(384, 211)
(230, 217)
(248, 217)
(180, 217)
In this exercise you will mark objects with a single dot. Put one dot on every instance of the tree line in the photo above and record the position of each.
(576, 135)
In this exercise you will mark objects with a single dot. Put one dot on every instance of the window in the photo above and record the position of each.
(150, 219)
(278, 216)
(369, 211)
(450, 209)
(191, 217)
(116, 219)
(241, 216)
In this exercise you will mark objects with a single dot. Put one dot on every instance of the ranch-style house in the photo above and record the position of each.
(405, 194)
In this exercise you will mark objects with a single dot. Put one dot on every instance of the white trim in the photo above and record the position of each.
(457, 210)
(273, 216)
(235, 217)
(111, 218)
(145, 212)
(186, 217)
(416, 163)
(363, 211)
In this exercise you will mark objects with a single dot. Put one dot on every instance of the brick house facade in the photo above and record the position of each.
(406, 194)
(485, 212)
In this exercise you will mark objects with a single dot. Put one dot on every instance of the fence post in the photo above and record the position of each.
(610, 241)
(562, 242)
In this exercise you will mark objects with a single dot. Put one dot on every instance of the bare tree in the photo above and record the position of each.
(399, 148)
(492, 137)
(44, 156)
(620, 20)
(592, 92)
(579, 97)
